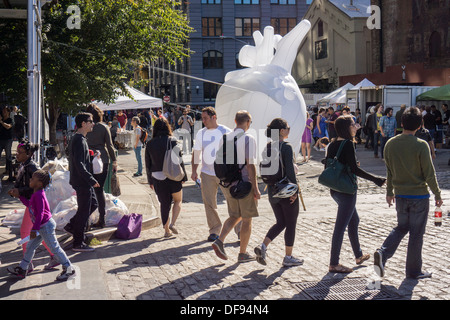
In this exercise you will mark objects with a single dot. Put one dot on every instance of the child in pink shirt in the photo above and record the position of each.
(43, 229)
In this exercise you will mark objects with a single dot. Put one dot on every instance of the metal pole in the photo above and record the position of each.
(33, 74)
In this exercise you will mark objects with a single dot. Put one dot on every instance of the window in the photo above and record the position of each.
(282, 1)
(210, 1)
(211, 27)
(246, 1)
(282, 26)
(320, 29)
(321, 49)
(212, 59)
(210, 91)
(246, 26)
(435, 45)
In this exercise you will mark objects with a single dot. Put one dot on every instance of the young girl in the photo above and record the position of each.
(24, 154)
(43, 229)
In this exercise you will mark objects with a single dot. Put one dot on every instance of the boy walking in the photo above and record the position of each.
(82, 181)
(410, 172)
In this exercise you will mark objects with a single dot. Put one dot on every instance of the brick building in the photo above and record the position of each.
(413, 45)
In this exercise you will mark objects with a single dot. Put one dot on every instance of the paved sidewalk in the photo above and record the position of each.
(186, 268)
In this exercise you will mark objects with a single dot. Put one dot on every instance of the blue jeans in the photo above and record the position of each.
(376, 138)
(47, 234)
(412, 215)
(382, 144)
(137, 151)
(347, 216)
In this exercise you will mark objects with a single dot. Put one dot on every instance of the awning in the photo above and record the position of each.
(438, 94)
(337, 96)
(140, 101)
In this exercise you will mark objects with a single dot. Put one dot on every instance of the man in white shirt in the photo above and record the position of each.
(204, 151)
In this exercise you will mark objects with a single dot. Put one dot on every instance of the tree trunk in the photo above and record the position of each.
(51, 116)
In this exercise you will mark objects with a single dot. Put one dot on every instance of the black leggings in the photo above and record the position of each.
(286, 215)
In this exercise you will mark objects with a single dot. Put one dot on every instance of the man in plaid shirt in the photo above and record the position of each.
(388, 126)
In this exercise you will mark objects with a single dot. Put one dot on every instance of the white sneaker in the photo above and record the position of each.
(292, 261)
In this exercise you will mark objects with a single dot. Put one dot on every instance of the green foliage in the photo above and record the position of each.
(90, 63)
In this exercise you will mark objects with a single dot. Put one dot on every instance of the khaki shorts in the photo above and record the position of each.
(237, 208)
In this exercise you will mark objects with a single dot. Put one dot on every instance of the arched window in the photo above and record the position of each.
(435, 45)
(212, 59)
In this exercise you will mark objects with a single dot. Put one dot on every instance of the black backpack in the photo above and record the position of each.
(267, 173)
(226, 169)
(144, 136)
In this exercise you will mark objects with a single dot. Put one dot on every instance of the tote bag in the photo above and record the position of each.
(172, 163)
(338, 176)
(129, 226)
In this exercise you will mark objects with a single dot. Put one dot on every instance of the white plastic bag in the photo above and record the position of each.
(97, 164)
(59, 190)
(14, 218)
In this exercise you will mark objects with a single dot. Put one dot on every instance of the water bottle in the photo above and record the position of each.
(26, 239)
(198, 183)
(438, 216)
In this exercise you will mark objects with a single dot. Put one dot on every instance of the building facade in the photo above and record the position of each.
(222, 28)
(412, 47)
(338, 44)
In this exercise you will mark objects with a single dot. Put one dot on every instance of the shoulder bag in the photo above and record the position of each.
(338, 176)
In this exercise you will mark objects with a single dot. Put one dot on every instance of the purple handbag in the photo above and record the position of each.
(129, 226)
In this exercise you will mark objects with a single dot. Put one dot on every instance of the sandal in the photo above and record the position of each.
(339, 268)
(363, 258)
(168, 235)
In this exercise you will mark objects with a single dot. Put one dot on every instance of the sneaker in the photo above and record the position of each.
(51, 264)
(261, 255)
(83, 248)
(17, 271)
(219, 249)
(213, 237)
(30, 268)
(422, 275)
(378, 263)
(66, 274)
(137, 174)
(292, 261)
(245, 257)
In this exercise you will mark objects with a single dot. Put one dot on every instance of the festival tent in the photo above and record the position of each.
(337, 96)
(438, 94)
(364, 83)
(140, 101)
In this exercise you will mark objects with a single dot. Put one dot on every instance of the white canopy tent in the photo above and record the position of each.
(337, 96)
(364, 83)
(140, 101)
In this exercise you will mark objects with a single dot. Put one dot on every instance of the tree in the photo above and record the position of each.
(93, 61)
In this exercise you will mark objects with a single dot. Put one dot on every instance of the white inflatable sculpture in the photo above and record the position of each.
(266, 88)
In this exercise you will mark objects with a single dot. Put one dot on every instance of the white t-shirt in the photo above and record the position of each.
(207, 141)
(137, 133)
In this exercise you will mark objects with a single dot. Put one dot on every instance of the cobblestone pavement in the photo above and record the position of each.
(186, 268)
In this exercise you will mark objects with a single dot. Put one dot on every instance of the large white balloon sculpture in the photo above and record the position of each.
(266, 88)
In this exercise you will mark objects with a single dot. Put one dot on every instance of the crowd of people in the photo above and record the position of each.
(407, 181)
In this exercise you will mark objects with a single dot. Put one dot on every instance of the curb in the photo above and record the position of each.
(106, 234)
